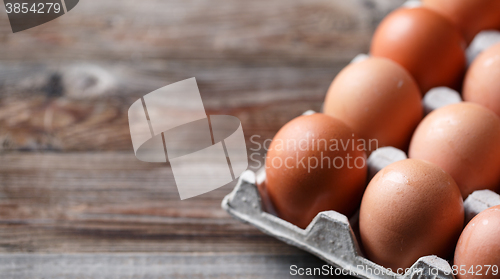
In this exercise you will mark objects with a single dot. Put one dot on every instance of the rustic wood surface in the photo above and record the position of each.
(76, 203)
(153, 265)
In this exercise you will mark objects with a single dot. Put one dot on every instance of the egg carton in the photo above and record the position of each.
(481, 42)
(330, 236)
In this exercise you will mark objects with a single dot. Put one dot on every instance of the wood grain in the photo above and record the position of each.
(66, 85)
(39, 122)
(259, 31)
(76, 203)
(163, 265)
(109, 202)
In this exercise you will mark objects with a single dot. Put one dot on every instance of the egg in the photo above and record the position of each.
(425, 43)
(378, 99)
(464, 140)
(410, 209)
(471, 16)
(482, 81)
(313, 164)
(478, 249)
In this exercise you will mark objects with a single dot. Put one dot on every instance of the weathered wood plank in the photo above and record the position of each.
(171, 266)
(263, 98)
(251, 31)
(111, 202)
(66, 85)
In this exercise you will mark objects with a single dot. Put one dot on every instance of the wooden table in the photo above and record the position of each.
(76, 203)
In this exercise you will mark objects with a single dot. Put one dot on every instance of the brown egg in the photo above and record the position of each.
(427, 44)
(471, 16)
(482, 81)
(464, 140)
(410, 209)
(314, 164)
(378, 99)
(478, 249)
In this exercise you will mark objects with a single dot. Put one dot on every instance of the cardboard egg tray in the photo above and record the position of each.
(330, 235)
